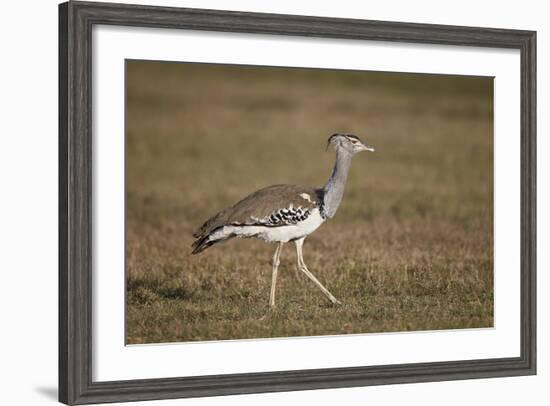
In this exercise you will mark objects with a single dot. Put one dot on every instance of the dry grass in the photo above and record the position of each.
(409, 249)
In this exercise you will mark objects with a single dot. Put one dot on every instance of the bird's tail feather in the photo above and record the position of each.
(206, 241)
(201, 244)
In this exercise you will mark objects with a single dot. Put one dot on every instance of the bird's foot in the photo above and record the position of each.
(335, 301)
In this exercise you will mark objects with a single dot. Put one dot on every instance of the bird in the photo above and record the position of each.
(285, 213)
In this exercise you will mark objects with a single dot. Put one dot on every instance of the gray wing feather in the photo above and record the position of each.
(272, 206)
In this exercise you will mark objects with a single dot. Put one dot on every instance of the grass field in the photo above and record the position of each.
(411, 247)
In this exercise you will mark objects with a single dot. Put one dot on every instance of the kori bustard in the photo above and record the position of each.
(285, 213)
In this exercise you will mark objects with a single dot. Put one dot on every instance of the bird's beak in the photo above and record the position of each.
(367, 148)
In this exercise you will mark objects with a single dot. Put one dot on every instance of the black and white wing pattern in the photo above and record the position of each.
(284, 217)
(272, 206)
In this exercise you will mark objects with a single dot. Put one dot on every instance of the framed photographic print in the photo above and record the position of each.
(257, 202)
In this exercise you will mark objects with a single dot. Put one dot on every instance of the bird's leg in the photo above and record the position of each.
(276, 263)
(297, 275)
(302, 266)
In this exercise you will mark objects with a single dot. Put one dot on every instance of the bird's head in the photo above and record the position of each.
(348, 142)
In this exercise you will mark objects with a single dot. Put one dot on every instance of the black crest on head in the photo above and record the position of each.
(350, 136)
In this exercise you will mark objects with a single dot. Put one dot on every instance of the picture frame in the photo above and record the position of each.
(76, 352)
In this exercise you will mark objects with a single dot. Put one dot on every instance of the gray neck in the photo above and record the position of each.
(334, 189)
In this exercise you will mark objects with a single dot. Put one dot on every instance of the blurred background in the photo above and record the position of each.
(411, 247)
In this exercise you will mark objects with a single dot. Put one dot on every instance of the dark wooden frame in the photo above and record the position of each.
(76, 20)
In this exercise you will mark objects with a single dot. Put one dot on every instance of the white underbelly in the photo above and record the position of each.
(275, 234)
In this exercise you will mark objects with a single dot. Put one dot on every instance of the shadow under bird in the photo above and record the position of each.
(285, 213)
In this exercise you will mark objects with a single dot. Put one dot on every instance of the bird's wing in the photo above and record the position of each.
(272, 206)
